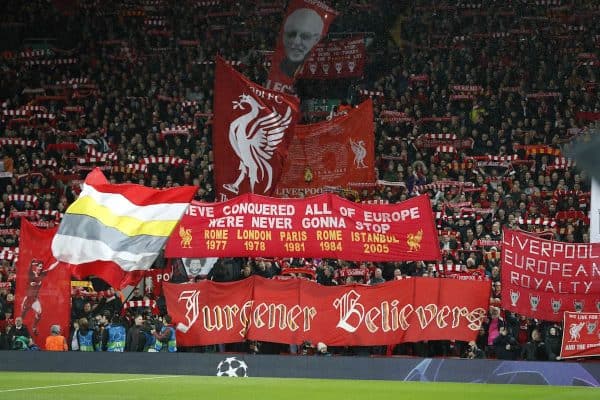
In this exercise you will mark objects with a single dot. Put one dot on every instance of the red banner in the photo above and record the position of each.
(543, 278)
(306, 22)
(581, 337)
(43, 292)
(344, 58)
(293, 311)
(252, 129)
(324, 226)
(330, 153)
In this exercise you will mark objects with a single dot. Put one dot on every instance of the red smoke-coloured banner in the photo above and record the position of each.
(43, 292)
(581, 336)
(543, 278)
(306, 22)
(252, 129)
(344, 58)
(294, 311)
(324, 226)
(330, 153)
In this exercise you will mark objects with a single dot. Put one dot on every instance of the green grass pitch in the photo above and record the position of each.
(67, 386)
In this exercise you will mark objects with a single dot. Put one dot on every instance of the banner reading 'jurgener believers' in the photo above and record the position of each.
(324, 226)
(543, 278)
(295, 311)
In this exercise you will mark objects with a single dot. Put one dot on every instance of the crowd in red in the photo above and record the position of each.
(472, 102)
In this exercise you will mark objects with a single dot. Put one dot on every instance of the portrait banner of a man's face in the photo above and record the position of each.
(305, 24)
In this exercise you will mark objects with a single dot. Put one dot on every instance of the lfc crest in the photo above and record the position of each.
(413, 240)
(575, 331)
(308, 175)
(186, 237)
(578, 305)
(254, 139)
(360, 152)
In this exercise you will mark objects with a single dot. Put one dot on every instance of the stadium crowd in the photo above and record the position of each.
(472, 102)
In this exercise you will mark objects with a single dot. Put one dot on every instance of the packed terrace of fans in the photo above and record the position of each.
(481, 94)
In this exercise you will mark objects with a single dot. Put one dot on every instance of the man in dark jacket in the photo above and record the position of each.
(553, 343)
(506, 346)
(535, 349)
(136, 340)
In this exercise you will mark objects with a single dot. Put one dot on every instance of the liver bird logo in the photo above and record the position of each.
(413, 240)
(360, 152)
(254, 139)
(186, 237)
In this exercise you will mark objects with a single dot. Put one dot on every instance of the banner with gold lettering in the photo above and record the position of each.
(323, 226)
(294, 311)
(581, 336)
(252, 129)
(543, 278)
(306, 22)
(330, 153)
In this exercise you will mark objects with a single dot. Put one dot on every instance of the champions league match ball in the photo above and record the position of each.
(232, 367)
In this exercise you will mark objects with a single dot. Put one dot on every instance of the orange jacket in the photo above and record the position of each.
(56, 343)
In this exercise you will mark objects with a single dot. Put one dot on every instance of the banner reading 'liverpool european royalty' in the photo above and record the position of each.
(543, 278)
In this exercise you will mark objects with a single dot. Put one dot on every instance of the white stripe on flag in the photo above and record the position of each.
(77, 251)
(121, 206)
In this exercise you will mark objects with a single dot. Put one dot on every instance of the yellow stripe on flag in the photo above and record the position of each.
(127, 225)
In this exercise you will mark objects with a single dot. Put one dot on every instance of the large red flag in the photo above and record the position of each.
(43, 295)
(306, 22)
(330, 153)
(252, 129)
(116, 232)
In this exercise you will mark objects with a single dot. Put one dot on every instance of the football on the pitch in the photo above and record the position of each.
(232, 367)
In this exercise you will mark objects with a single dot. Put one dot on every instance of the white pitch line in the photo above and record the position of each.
(88, 383)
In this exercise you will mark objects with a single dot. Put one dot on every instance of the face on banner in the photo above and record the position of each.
(305, 24)
(301, 32)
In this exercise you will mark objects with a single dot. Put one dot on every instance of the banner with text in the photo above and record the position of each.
(306, 22)
(295, 311)
(581, 335)
(344, 58)
(330, 153)
(543, 278)
(252, 129)
(324, 226)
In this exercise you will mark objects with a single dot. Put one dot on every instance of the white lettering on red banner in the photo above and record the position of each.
(546, 278)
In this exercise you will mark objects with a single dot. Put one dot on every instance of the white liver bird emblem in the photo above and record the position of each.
(360, 152)
(254, 140)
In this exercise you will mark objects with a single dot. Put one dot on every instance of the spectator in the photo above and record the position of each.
(136, 339)
(56, 341)
(535, 349)
(553, 342)
(506, 346)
